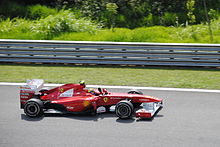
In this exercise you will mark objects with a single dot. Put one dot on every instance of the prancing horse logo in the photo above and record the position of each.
(62, 90)
(105, 99)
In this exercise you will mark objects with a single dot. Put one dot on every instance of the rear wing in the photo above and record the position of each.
(28, 90)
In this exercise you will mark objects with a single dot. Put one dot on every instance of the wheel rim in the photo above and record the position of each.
(32, 109)
(123, 110)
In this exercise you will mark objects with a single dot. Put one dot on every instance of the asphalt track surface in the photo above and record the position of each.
(187, 119)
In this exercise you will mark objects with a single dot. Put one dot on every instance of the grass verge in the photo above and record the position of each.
(65, 26)
(150, 77)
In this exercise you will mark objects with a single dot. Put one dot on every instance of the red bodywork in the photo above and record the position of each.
(75, 98)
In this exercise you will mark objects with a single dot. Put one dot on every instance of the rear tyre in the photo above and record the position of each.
(135, 92)
(43, 90)
(124, 109)
(33, 108)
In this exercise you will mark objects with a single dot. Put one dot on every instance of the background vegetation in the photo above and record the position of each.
(111, 20)
(123, 13)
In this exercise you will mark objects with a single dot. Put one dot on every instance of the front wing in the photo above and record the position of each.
(149, 110)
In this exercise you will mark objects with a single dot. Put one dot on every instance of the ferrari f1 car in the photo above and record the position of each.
(75, 98)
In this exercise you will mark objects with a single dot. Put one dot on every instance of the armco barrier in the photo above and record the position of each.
(121, 53)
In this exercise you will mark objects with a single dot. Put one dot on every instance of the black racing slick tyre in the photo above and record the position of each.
(124, 109)
(135, 92)
(43, 90)
(33, 108)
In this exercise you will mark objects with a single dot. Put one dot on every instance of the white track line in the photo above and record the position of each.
(125, 87)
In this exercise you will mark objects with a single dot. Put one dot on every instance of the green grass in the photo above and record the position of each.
(45, 28)
(161, 34)
(39, 11)
(156, 77)
(65, 26)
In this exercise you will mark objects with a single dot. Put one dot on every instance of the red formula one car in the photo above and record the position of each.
(75, 98)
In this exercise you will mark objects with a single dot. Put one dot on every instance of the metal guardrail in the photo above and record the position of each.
(121, 53)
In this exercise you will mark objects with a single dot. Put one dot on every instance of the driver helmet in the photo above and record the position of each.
(82, 83)
(92, 91)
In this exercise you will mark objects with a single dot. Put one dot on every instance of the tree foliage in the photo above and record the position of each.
(127, 13)
(190, 8)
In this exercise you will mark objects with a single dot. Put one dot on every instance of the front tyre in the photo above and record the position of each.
(134, 91)
(33, 108)
(124, 109)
